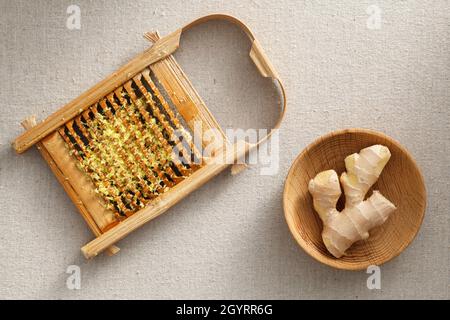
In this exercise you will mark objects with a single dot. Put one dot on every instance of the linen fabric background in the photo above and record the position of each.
(229, 239)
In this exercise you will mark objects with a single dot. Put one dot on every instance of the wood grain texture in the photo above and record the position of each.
(401, 182)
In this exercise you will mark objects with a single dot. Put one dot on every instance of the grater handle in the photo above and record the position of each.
(257, 54)
(259, 58)
(261, 61)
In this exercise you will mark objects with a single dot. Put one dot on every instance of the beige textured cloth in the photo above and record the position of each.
(228, 239)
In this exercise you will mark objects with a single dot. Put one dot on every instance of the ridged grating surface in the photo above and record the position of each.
(132, 145)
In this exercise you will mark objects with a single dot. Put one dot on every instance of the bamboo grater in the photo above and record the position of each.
(124, 151)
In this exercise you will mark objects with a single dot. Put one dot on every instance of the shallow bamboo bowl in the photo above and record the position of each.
(401, 182)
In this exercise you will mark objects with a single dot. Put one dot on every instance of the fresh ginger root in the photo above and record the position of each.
(342, 229)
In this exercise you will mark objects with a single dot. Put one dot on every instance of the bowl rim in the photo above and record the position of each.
(321, 139)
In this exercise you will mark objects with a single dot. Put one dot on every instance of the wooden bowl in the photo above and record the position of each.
(401, 182)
